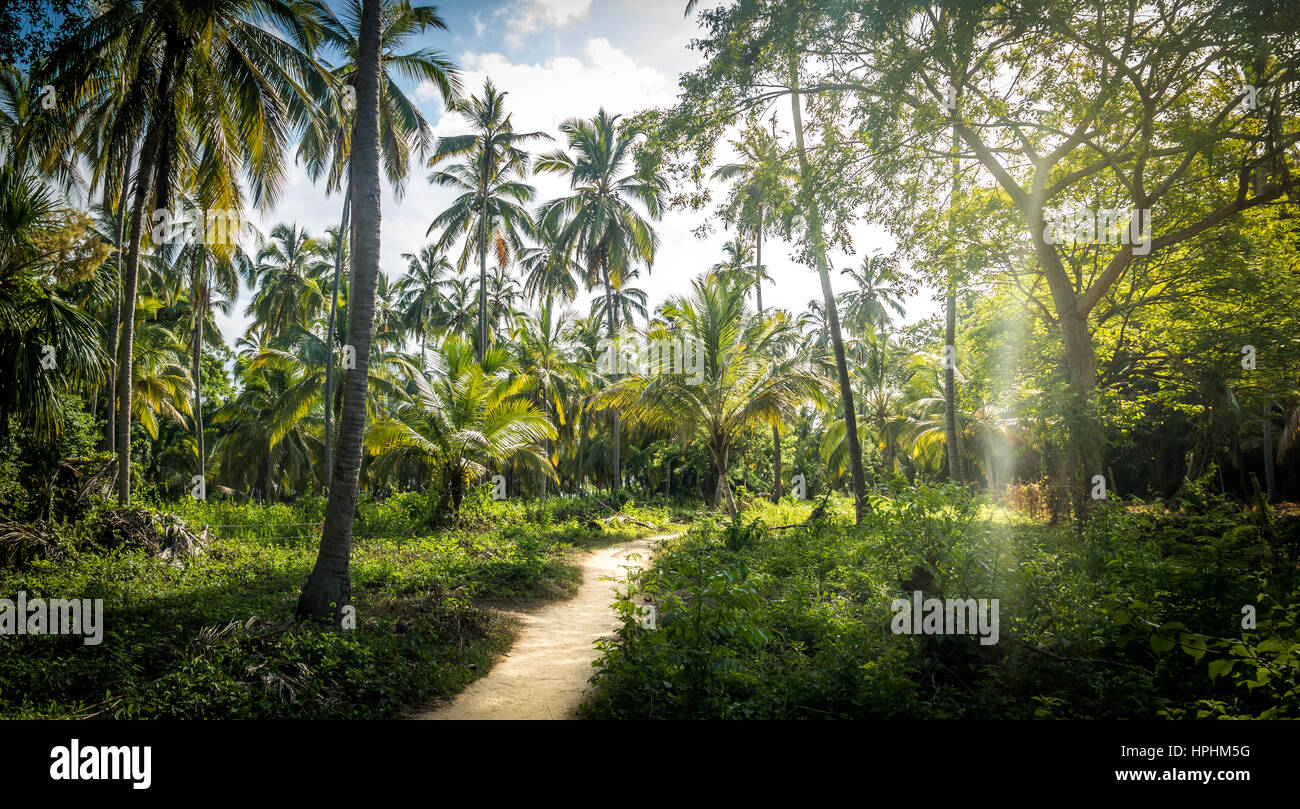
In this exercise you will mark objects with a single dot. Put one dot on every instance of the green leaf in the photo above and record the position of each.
(1194, 645)
(1161, 644)
(1220, 667)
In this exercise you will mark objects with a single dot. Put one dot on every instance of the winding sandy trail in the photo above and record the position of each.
(544, 675)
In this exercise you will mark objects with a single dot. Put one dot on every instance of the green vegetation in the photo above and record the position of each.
(1138, 617)
(1100, 429)
(213, 636)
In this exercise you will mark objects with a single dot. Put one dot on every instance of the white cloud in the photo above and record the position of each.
(525, 17)
(541, 96)
(544, 94)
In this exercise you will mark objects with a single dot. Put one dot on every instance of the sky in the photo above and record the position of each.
(558, 59)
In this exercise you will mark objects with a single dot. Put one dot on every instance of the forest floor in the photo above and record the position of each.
(545, 673)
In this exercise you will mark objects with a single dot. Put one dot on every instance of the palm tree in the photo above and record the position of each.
(588, 344)
(737, 263)
(329, 588)
(489, 212)
(277, 416)
(601, 225)
(403, 128)
(420, 292)
(214, 285)
(471, 417)
(503, 294)
(161, 378)
(629, 301)
(817, 241)
(878, 294)
(762, 181)
(882, 370)
(214, 92)
(749, 376)
(285, 278)
(462, 307)
(545, 355)
(34, 313)
(272, 442)
(549, 271)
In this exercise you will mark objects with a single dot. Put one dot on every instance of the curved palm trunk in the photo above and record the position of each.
(482, 263)
(327, 400)
(1270, 478)
(200, 295)
(758, 298)
(115, 325)
(329, 587)
(952, 446)
(611, 316)
(130, 278)
(828, 298)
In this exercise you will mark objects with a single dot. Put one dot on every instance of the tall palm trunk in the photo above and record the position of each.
(329, 337)
(1270, 479)
(611, 317)
(952, 446)
(200, 295)
(116, 323)
(758, 298)
(144, 186)
(582, 456)
(482, 259)
(329, 587)
(723, 494)
(815, 237)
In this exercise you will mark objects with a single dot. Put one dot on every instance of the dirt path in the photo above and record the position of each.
(544, 675)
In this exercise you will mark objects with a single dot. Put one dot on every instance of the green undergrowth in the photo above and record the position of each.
(1135, 613)
(213, 636)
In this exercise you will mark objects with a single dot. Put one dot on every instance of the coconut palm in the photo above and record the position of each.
(285, 280)
(471, 417)
(737, 261)
(544, 352)
(762, 180)
(214, 95)
(47, 342)
(503, 295)
(462, 307)
(601, 224)
(878, 297)
(329, 587)
(629, 301)
(750, 378)
(548, 270)
(420, 292)
(489, 212)
(325, 149)
(213, 278)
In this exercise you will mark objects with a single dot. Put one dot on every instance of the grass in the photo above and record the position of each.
(1137, 615)
(213, 637)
